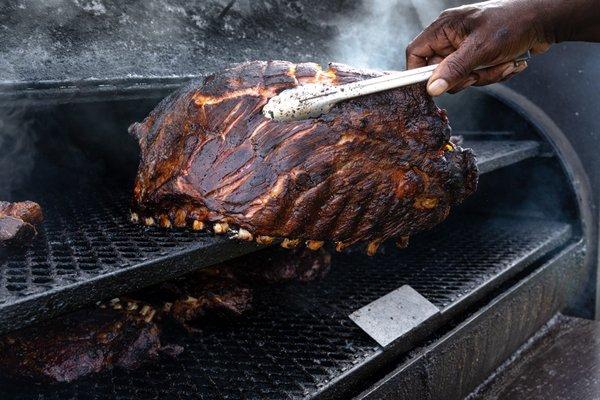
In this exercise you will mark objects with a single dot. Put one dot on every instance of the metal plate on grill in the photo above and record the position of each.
(88, 250)
(394, 315)
(299, 342)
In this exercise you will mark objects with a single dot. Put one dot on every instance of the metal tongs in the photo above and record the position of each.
(315, 99)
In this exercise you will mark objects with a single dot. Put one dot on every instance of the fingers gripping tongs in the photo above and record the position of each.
(312, 100)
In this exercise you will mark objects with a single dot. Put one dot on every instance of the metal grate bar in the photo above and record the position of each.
(87, 250)
(299, 341)
(493, 155)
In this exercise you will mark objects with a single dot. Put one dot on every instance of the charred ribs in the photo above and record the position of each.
(81, 343)
(375, 167)
(225, 291)
(211, 294)
(126, 332)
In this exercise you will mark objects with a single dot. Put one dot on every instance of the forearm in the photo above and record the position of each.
(571, 20)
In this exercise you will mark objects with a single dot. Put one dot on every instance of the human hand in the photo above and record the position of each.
(489, 33)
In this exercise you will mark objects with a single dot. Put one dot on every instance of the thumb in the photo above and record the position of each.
(453, 69)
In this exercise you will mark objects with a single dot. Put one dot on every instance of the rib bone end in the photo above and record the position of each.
(244, 235)
(314, 244)
(340, 246)
(373, 246)
(266, 240)
(165, 222)
(221, 228)
(180, 217)
(197, 225)
(290, 243)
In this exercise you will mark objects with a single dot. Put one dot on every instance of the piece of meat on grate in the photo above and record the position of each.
(277, 266)
(225, 291)
(125, 332)
(375, 167)
(17, 222)
(213, 294)
(15, 232)
(121, 334)
(27, 211)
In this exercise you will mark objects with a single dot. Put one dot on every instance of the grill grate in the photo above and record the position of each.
(493, 155)
(87, 236)
(299, 338)
(87, 249)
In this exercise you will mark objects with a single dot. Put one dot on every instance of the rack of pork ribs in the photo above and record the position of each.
(126, 332)
(376, 167)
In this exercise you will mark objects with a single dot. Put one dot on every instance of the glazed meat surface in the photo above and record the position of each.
(375, 167)
(17, 222)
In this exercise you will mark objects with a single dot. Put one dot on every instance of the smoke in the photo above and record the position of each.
(17, 149)
(102, 39)
(376, 34)
(66, 37)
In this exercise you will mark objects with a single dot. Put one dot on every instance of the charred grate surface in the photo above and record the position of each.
(299, 337)
(88, 250)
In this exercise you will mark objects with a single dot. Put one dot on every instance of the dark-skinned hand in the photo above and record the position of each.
(495, 33)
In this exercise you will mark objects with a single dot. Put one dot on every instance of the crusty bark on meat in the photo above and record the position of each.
(375, 167)
(27, 211)
(17, 222)
(15, 232)
(121, 334)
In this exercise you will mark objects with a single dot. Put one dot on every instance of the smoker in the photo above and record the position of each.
(521, 250)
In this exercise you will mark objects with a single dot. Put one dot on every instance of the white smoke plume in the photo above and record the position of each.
(376, 35)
